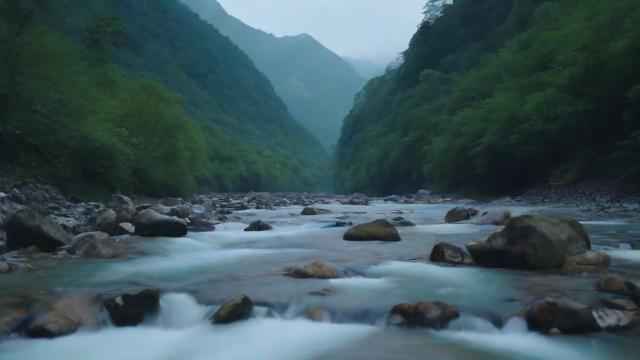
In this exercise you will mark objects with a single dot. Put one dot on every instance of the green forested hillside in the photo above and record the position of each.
(532, 91)
(317, 85)
(141, 96)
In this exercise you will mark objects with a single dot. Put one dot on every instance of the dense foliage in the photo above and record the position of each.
(317, 85)
(141, 96)
(531, 91)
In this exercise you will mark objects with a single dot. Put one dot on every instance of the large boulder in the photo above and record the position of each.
(435, 315)
(317, 270)
(96, 245)
(458, 214)
(531, 242)
(310, 211)
(443, 252)
(201, 223)
(236, 309)
(124, 208)
(589, 262)
(150, 223)
(108, 222)
(378, 230)
(258, 226)
(64, 317)
(565, 315)
(27, 228)
(133, 309)
(180, 211)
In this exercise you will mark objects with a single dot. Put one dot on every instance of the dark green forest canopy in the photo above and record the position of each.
(498, 95)
(141, 96)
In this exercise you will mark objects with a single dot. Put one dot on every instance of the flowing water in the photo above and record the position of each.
(199, 272)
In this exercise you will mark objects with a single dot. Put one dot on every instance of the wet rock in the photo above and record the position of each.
(401, 222)
(132, 309)
(199, 223)
(589, 262)
(258, 226)
(10, 321)
(611, 319)
(458, 214)
(26, 228)
(436, 315)
(531, 242)
(96, 245)
(615, 284)
(423, 196)
(236, 309)
(64, 317)
(5, 267)
(443, 252)
(378, 230)
(493, 217)
(323, 292)
(339, 224)
(107, 222)
(151, 224)
(123, 206)
(317, 315)
(309, 211)
(620, 304)
(566, 315)
(316, 270)
(357, 199)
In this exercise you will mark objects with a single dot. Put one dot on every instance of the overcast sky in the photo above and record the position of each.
(376, 30)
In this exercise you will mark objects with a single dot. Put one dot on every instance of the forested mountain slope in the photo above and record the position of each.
(141, 96)
(317, 85)
(530, 92)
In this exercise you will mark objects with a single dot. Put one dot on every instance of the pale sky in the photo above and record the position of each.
(375, 30)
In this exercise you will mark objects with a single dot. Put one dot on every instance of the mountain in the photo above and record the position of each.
(532, 92)
(317, 85)
(365, 68)
(142, 96)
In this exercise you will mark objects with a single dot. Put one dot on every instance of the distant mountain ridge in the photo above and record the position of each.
(317, 85)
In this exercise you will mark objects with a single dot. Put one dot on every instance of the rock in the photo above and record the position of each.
(316, 270)
(5, 268)
(339, 224)
(531, 242)
(378, 230)
(181, 211)
(131, 310)
(123, 206)
(357, 199)
(589, 262)
(615, 284)
(493, 217)
(423, 196)
(9, 322)
(449, 254)
(96, 245)
(259, 226)
(620, 304)
(309, 211)
(108, 223)
(150, 223)
(401, 222)
(566, 315)
(236, 309)
(611, 319)
(26, 228)
(199, 223)
(436, 315)
(458, 214)
(64, 317)
(323, 292)
(317, 315)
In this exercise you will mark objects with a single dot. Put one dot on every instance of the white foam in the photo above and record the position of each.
(361, 283)
(445, 229)
(605, 223)
(627, 255)
(180, 311)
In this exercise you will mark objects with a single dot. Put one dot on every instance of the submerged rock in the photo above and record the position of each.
(435, 315)
(323, 292)
(458, 214)
(317, 315)
(588, 262)
(258, 226)
(132, 309)
(493, 217)
(568, 316)
(615, 284)
(531, 242)
(26, 228)
(150, 223)
(236, 309)
(378, 230)
(317, 270)
(401, 222)
(443, 252)
(96, 245)
(200, 223)
(309, 211)
(64, 317)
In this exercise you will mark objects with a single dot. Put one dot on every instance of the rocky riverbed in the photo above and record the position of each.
(315, 276)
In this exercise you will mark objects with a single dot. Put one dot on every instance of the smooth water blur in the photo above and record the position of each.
(200, 271)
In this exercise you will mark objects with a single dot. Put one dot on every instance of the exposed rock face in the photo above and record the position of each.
(401, 222)
(309, 211)
(64, 317)
(379, 230)
(123, 206)
(589, 262)
(317, 270)
(493, 217)
(565, 315)
(458, 214)
(531, 242)
(150, 223)
(131, 310)
(26, 228)
(615, 284)
(96, 245)
(258, 226)
(450, 254)
(434, 315)
(236, 309)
